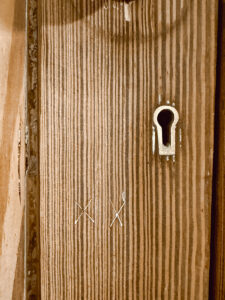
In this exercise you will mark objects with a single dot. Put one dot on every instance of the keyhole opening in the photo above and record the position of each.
(165, 119)
(126, 1)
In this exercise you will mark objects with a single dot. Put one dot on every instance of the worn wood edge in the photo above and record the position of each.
(32, 157)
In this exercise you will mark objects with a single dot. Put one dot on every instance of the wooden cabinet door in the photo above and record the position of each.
(117, 219)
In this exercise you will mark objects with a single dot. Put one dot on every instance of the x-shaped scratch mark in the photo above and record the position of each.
(84, 212)
(118, 212)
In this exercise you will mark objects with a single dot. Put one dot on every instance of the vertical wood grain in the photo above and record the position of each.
(12, 144)
(100, 79)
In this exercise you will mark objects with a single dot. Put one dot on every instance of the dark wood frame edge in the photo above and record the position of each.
(217, 255)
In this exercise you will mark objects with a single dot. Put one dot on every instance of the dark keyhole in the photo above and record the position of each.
(165, 119)
(126, 1)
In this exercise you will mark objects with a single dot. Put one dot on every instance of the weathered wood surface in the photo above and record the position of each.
(32, 158)
(12, 95)
(100, 80)
(217, 278)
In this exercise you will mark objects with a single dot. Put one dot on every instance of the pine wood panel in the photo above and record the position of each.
(101, 78)
(217, 278)
(12, 128)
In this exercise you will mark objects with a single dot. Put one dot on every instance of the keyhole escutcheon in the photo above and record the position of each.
(165, 119)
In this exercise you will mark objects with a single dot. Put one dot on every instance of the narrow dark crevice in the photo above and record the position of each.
(218, 98)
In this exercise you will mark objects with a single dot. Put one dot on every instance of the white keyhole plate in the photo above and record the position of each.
(170, 148)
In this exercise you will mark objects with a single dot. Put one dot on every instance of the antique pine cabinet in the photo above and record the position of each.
(112, 149)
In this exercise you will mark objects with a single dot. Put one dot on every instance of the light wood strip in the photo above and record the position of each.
(12, 148)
